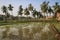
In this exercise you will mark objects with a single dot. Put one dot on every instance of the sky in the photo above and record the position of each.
(24, 3)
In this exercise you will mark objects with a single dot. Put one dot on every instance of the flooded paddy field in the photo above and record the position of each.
(27, 31)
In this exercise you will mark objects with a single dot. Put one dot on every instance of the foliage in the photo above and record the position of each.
(56, 7)
(4, 9)
(44, 6)
(10, 7)
(50, 9)
(30, 7)
(26, 12)
(20, 10)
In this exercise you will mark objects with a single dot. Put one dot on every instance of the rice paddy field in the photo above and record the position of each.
(28, 31)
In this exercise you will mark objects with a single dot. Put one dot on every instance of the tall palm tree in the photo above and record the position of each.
(26, 12)
(10, 9)
(20, 10)
(30, 8)
(34, 12)
(44, 7)
(50, 10)
(56, 7)
(4, 9)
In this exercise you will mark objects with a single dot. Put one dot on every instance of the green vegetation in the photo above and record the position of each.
(29, 30)
(45, 8)
(37, 28)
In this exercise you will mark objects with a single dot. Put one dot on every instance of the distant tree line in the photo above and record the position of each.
(45, 8)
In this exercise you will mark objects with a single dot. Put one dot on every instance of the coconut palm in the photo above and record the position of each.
(30, 8)
(34, 12)
(56, 7)
(10, 9)
(4, 9)
(44, 7)
(26, 12)
(20, 10)
(50, 10)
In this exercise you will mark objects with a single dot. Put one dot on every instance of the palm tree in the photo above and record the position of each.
(30, 8)
(20, 10)
(4, 9)
(50, 10)
(56, 7)
(10, 8)
(34, 12)
(26, 12)
(44, 7)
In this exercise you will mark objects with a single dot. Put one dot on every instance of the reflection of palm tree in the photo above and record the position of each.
(20, 10)
(4, 9)
(56, 8)
(26, 12)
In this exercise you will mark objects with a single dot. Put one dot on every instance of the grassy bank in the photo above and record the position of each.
(34, 30)
(11, 22)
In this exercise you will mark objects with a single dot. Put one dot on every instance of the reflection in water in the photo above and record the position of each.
(26, 31)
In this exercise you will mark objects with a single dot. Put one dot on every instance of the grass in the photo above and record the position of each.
(36, 29)
(57, 24)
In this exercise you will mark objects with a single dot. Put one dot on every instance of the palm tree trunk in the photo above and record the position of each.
(44, 15)
(12, 12)
(19, 17)
(11, 15)
(5, 18)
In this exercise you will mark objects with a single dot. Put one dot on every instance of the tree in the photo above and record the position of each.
(20, 10)
(44, 7)
(30, 8)
(56, 7)
(50, 10)
(26, 12)
(34, 12)
(4, 9)
(10, 8)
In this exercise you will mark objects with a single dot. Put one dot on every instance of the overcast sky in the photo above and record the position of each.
(24, 3)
